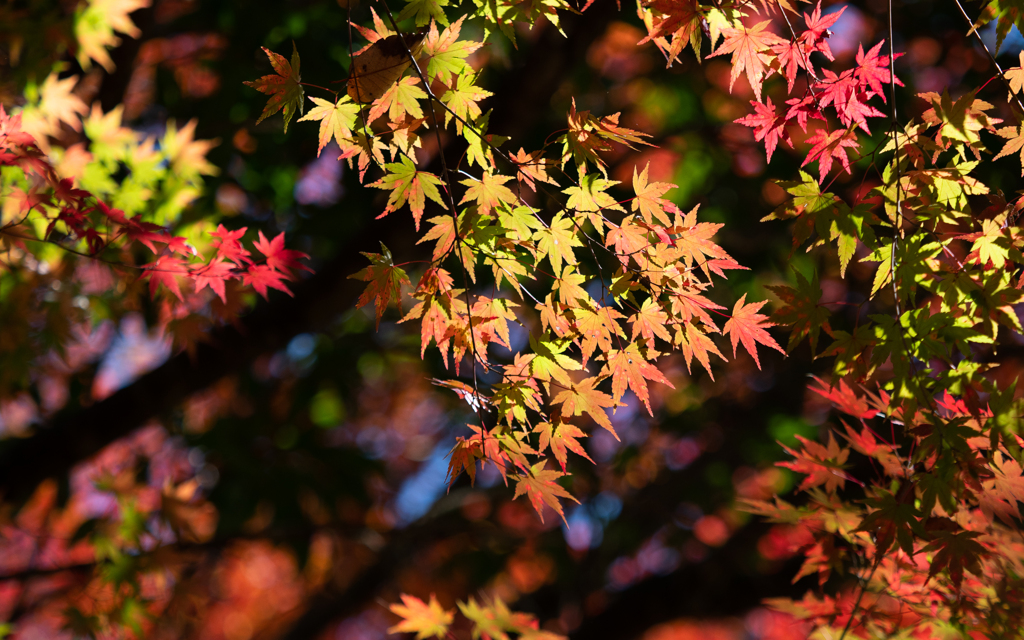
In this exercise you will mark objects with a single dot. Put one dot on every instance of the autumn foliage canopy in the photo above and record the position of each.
(554, 283)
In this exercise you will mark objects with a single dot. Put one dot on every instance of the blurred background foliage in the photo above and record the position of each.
(306, 484)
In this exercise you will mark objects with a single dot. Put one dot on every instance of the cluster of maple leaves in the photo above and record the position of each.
(937, 521)
(49, 208)
(934, 540)
(600, 331)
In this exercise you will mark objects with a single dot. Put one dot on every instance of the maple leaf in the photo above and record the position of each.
(683, 20)
(187, 155)
(549, 362)
(1004, 490)
(463, 99)
(591, 199)
(648, 199)
(693, 241)
(959, 122)
(802, 314)
(424, 11)
(279, 258)
(582, 397)
(828, 147)
(818, 29)
(261, 276)
(821, 464)
(650, 321)
(336, 119)
(364, 150)
(213, 275)
(96, 25)
(489, 192)
(444, 232)
(165, 272)
(425, 620)
(385, 281)
(596, 329)
(552, 318)
(696, 343)
(446, 54)
(532, 168)
(956, 551)
(409, 185)
(1014, 144)
(227, 244)
(283, 88)
(629, 368)
(570, 293)
(748, 326)
(873, 71)
(561, 436)
(587, 136)
(556, 242)
(540, 486)
(768, 126)
(1015, 77)
(748, 47)
(401, 99)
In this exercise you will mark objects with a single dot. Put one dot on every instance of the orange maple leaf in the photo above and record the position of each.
(628, 368)
(542, 489)
(648, 199)
(385, 281)
(750, 49)
(748, 326)
(581, 398)
(561, 437)
(425, 620)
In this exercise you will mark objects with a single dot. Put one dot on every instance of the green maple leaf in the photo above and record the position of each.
(480, 143)
(556, 242)
(409, 186)
(424, 11)
(550, 362)
(446, 53)
(463, 98)
(591, 198)
(284, 87)
(520, 222)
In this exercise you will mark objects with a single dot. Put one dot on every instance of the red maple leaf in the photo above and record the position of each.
(791, 56)
(261, 276)
(768, 126)
(748, 326)
(829, 147)
(165, 271)
(872, 70)
(278, 258)
(214, 275)
(817, 34)
(228, 246)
